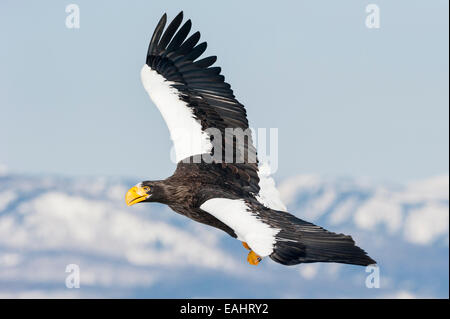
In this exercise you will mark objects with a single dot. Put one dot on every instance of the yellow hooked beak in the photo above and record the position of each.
(136, 194)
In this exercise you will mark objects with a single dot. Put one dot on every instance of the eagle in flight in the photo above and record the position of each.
(232, 194)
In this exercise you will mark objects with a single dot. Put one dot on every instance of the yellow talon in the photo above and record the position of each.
(253, 258)
(245, 245)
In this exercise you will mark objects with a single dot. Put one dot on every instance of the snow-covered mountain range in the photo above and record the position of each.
(47, 223)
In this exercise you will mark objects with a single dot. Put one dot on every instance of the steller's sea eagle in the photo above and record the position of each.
(231, 194)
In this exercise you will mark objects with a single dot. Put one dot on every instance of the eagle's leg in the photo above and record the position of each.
(253, 258)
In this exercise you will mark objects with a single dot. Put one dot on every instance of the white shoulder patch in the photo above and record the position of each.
(185, 131)
(268, 193)
(248, 227)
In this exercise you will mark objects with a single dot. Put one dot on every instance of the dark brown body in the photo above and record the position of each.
(194, 183)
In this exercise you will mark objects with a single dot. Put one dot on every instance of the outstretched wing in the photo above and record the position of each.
(285, 238)
(196, 102)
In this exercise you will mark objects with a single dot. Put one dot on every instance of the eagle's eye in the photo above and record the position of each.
(146, 189)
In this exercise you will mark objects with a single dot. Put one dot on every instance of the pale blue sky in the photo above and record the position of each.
(346, 100)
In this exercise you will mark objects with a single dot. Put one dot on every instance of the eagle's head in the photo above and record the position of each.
(148, 191)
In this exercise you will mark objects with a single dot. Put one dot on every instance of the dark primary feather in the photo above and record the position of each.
(206, 62)
(181, 35)
(189, 43)
(170, 31)
(156, 35)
